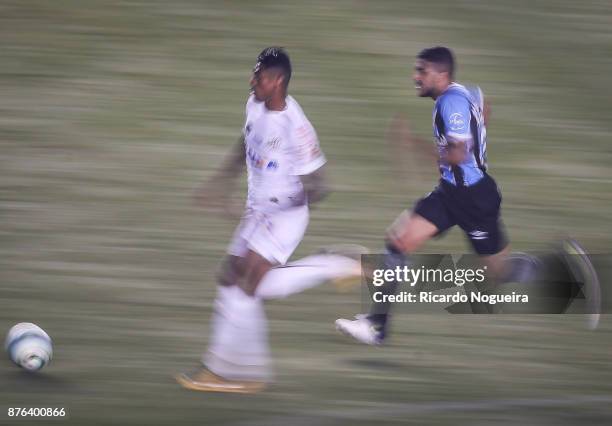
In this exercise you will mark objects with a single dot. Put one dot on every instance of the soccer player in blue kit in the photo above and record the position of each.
(466, 196)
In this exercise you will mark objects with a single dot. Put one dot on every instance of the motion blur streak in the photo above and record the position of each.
(113, 112)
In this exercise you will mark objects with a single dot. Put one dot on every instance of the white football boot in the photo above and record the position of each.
(362, 329)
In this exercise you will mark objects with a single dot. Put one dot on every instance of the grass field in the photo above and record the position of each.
(113, 112)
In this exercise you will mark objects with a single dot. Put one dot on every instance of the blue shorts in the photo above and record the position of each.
(476, 209)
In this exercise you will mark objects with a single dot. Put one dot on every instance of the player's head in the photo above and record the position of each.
(271, 73)
(434, 71)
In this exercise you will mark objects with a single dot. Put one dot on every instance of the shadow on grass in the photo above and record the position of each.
(377, 364)
(23, 381)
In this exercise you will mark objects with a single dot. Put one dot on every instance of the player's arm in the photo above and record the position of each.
(215, 192)
(402, 140)
(411, 155)
(456, 152)
(316, 186)
(486, 112)
(309, 163)
(235, 163)
(455, 113)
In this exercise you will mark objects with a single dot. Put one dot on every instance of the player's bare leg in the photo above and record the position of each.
(238, 359)
(497, 265)
(409, 232)
(238, 324)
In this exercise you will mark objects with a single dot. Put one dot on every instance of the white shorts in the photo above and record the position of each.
(274, 236)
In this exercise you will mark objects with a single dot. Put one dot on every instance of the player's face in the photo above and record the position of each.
(425, 77)
(264, 84)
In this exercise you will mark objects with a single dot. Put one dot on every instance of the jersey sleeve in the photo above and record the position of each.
(455, 114)
(247, 108)
(477, 95)
(306, 152)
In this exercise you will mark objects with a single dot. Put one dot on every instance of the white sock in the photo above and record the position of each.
(238, 346)
(305, 273)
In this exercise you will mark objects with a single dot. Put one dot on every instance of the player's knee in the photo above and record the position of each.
(230, 271)
(254, 274)
(250, 283)
(249, 287)
(409, 239)
(400, 244)
(225, 277)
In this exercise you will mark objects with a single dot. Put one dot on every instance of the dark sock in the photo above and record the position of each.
(379, 312)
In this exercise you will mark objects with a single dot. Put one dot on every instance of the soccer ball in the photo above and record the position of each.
(28, 346)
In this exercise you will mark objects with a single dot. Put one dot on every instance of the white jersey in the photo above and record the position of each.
(280, 147)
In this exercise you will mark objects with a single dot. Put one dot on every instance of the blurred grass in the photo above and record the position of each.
(112, 113)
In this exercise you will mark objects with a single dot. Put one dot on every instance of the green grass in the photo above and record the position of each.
(112, 113)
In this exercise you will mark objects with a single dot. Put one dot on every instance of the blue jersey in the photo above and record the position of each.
(458, 116)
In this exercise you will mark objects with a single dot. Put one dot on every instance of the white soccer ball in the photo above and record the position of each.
(29, 346)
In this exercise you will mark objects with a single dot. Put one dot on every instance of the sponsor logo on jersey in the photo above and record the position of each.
(254, 158)
(457, 121)
(273, 144)
(260, 162)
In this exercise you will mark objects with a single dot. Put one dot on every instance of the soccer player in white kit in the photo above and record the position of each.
(285, 166)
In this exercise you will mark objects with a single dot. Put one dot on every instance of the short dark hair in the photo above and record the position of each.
(274, 57)
(441, 57)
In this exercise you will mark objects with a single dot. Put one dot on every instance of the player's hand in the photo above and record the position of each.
(455, 153)
(233, 208)
(210, 196)
(216, 196)
(399, 132)
(486, 113)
